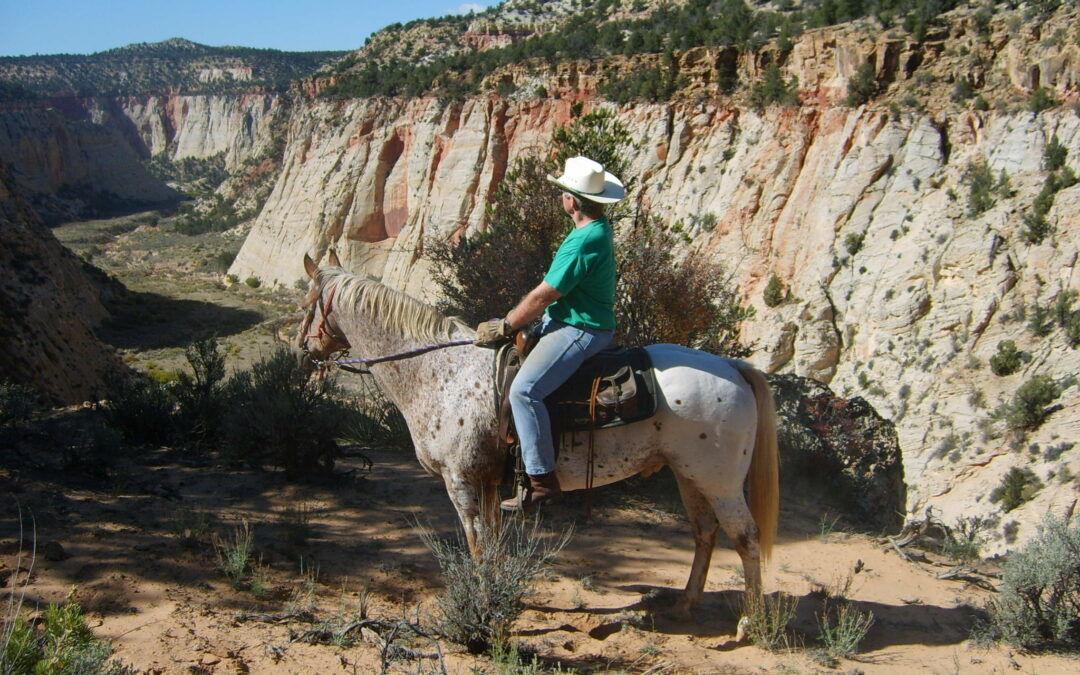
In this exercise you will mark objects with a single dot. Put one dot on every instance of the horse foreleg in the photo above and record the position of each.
(704, 525)
(474, 511)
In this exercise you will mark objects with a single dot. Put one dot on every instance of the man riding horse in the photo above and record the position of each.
(577, 302)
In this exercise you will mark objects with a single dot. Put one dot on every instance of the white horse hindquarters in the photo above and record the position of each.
(708, 417)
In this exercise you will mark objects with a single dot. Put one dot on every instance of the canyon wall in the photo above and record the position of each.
(50, 305)
(69, 153)
(896, 292)
(189, 126)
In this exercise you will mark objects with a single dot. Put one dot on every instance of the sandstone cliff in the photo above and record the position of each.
(71, 153)
(897, 293)
(49, 307)
(70, 165)
(189, 126)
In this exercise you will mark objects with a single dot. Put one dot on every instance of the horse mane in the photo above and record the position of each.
(399, 312)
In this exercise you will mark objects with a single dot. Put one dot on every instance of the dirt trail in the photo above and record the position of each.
(167, 610)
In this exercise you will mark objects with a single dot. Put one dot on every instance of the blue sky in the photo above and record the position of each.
(82, 27)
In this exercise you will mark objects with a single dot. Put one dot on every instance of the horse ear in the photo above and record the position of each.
(309, 266)
(332, 259)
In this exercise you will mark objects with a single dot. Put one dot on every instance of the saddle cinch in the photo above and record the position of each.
(613, 388)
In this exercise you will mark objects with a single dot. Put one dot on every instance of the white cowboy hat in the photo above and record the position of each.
(587, 179)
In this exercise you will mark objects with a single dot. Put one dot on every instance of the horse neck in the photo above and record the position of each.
(406, 382)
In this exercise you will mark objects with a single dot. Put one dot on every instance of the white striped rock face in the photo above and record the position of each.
(908, 321)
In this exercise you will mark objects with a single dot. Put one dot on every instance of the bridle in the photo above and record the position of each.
(324, 329)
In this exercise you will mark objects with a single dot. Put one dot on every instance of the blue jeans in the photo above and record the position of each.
(561, 350)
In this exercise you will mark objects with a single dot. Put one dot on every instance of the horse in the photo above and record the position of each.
(715, 425)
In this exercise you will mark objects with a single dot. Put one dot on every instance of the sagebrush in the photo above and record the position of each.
(60, 644)
(767, 618)
(484, 595)
(1039, 603)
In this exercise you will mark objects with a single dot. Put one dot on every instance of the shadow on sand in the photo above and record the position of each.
(718, 615)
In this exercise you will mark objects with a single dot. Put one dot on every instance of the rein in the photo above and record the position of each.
(345, 363)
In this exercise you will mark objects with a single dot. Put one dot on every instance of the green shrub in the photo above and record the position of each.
(223, 260)
(1041, 99)
(842, 628)
(980, 103)
(660, 300)
(201, 395)
(1028, 408)
(964, 540)
(280, 416)
(483, 595)
(140, 409)
(1072, 329)
(645, 84)
(1036, 227)
(1061, 308)
(253, 282)
(772, 89)
(1054, 154)
(62, 644)
(234, 555)
(767, 618)
(1003, 187)
(863, 85)
(962, 90)
(1017, 487)
(853, 242)
(17, 403)
(1006, 360)
(773, 294)
(377, 423)
(980, 181)
(1039, 603)
(1039, 323)
(1066, 178)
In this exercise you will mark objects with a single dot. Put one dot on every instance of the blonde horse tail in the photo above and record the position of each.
(765, 464)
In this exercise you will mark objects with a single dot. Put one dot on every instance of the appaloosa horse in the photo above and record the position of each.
(715, 424)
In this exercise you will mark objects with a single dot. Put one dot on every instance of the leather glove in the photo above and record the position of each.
(492, 333)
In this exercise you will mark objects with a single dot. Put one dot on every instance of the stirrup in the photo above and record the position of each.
(514, 504)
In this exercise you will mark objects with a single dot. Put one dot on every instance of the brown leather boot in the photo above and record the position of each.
(541, 489)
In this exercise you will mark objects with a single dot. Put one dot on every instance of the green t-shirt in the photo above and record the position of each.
(583, 271)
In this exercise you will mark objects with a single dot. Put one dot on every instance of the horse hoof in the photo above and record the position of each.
(680, 611)
(743, 629)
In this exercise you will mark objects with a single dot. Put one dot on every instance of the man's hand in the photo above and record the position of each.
(492, 333)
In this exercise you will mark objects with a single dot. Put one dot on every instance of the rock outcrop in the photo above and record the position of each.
(50, 305)
(839, 453)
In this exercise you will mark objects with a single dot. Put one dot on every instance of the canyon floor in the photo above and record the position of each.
(119, 539)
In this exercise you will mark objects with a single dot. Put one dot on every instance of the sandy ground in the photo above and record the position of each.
(159, 598)
(166, 609)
